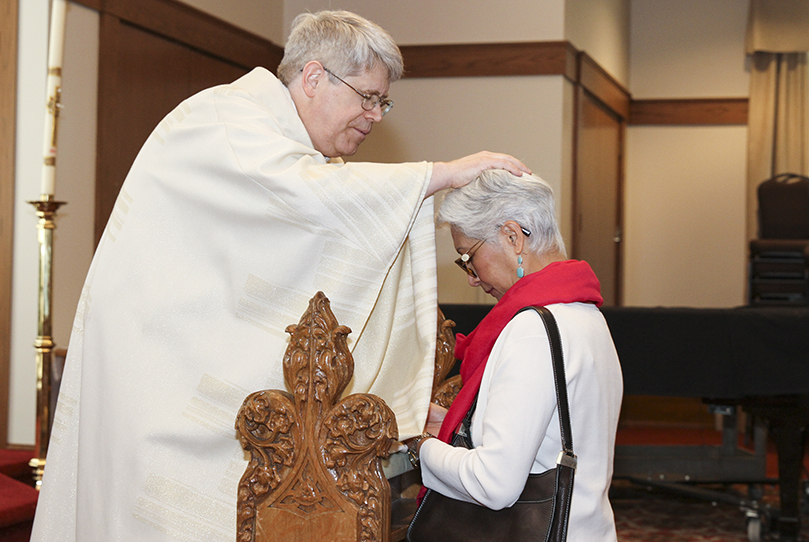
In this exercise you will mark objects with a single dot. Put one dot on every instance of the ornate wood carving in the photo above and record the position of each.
(445, 394)
(445, 390)
(315, 471)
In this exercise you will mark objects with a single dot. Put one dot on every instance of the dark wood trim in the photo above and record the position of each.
(8, 135)
(92, 4)
(698, 111)
(561, 58)
(199, 30)
(109, 31)
(490, 59)
(530, 58)
(619, 272)
(603, 86)
(173, 21)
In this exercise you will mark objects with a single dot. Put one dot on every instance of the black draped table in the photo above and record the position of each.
(753, 357)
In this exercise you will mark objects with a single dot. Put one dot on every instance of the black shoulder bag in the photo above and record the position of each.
(542, 511)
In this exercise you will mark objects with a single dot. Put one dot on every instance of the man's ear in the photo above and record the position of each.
(312, 76)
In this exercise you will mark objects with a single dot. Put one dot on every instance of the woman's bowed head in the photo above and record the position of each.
(504, 228)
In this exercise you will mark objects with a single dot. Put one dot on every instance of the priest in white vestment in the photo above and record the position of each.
(236, 211)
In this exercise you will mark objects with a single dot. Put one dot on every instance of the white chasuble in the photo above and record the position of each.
(227, 225)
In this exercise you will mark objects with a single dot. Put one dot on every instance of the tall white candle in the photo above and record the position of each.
(56, 43)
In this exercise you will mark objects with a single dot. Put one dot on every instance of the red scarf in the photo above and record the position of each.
(569, 281)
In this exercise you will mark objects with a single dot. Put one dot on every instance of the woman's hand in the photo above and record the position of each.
(435, 417)
(462, 171)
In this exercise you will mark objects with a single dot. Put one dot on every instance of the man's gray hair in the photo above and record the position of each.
(478, 209)
(345, 43)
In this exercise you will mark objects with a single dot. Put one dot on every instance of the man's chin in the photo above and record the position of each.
(350, 151)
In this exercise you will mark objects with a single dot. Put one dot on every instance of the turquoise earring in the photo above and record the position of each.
(520, 270)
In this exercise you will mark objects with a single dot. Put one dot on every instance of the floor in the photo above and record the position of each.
(646, 514)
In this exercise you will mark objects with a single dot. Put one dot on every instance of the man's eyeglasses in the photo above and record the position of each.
(466, 259)
(369, 101)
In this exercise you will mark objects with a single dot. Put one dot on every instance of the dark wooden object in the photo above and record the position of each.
(315, 470)
(445, 389)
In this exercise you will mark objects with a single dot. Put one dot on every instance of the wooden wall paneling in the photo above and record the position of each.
(96, 5)
(190, 26)
(145, 70)
(108, 154)
(8, 115)
(597, 192)
(490, 59)
(700, 111)
(206, 71)
(601, 85)
(151, 76)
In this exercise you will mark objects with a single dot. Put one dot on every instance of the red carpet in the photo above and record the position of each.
(18, 500)
(14, 463)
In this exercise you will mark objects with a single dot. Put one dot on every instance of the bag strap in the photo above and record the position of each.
(567, 456)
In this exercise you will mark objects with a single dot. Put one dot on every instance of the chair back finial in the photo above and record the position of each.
(315, 471)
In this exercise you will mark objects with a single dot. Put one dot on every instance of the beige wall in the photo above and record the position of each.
(262, 17)
(32, 58)
(453, 21)
(601, 28)
(688, 49)
(685, 185)
(685, 201)
(443, 119)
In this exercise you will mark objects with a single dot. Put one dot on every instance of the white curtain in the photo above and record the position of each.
(778, 119)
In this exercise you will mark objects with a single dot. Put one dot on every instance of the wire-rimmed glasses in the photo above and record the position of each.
(369, 101)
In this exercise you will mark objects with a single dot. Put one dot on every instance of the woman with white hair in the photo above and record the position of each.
(505, 231)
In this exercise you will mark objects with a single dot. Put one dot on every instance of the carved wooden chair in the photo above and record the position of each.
(314, 472)
(445, 389)
(315, 468)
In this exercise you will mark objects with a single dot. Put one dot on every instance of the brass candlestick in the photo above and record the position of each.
(46, 211)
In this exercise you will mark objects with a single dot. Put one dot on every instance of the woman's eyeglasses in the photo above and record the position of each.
(466, 259)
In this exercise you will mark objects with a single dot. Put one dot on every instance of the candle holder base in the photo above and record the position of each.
(46, 206)
(38, 466)
(46, 209)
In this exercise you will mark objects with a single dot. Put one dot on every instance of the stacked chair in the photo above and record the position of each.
(779, 258)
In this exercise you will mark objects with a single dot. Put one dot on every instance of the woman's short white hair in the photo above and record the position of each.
(479, 209)
(345, 43)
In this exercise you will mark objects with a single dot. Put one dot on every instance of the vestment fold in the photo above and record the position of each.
(227, 225)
